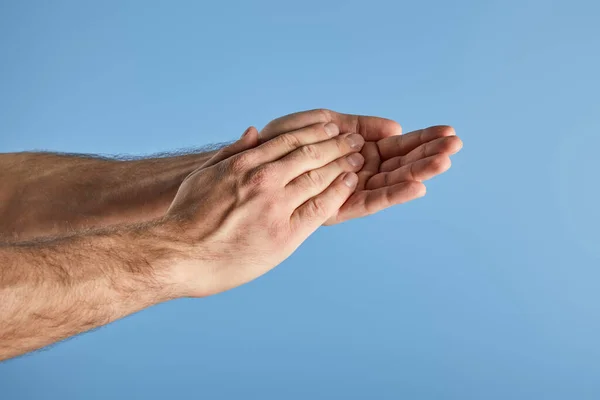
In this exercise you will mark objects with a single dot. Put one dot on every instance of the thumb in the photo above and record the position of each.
(248, 140)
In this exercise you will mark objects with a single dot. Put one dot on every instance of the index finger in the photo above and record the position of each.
(371, 128)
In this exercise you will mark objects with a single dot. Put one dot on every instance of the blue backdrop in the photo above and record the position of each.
(485, 288)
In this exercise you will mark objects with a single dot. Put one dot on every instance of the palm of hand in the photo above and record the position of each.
(395, 168)
(395, 164)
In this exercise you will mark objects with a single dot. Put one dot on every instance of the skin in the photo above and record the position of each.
(46, 194)
(42, 196)
(236, 216)
(395, 164)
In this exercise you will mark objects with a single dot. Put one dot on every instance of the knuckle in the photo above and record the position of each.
(386, 179)
(410, 172)
(261, 177)
(289, 141)
(324, 113)
(341, 144)
(311, 152)
(316, 208)
(315, 178)
(239, 163)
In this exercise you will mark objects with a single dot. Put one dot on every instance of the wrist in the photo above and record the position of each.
(190, 267)
(175, 259)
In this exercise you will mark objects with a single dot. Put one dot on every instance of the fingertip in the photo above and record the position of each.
(393, 128)
(438, 131)
(331, 129)
(250, 132)
(419, 189)
(246, 132)
(422, 190)
(453, 144)
(350, 179)
(356, 161)
(410, 190)
(250, 137)
(397, 129)
(440, 163)
(446, 130)
(460, 143)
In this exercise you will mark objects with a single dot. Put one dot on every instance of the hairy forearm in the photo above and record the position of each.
(44, 194)
(58, 288)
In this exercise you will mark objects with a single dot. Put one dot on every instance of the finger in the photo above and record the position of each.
(419, 171)
(368, 202)
(371, 128)
(315, 181)
(313, 213)
(371, 167)
(292, 140)
(313, 156)
(403, 144)
(446, 145)
(248, 140)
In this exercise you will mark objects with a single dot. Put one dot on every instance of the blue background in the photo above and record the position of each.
(486, 288)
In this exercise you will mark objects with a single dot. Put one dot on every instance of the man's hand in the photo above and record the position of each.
(57, 194)
(230, 221)
(395, 164)
(239, 218)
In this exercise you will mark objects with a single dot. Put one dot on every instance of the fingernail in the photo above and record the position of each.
(355, 159)
(350, 179)
(246, 132)
(331, 129)
(355, 141)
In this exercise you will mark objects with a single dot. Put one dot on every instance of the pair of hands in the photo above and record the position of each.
(251, 205)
